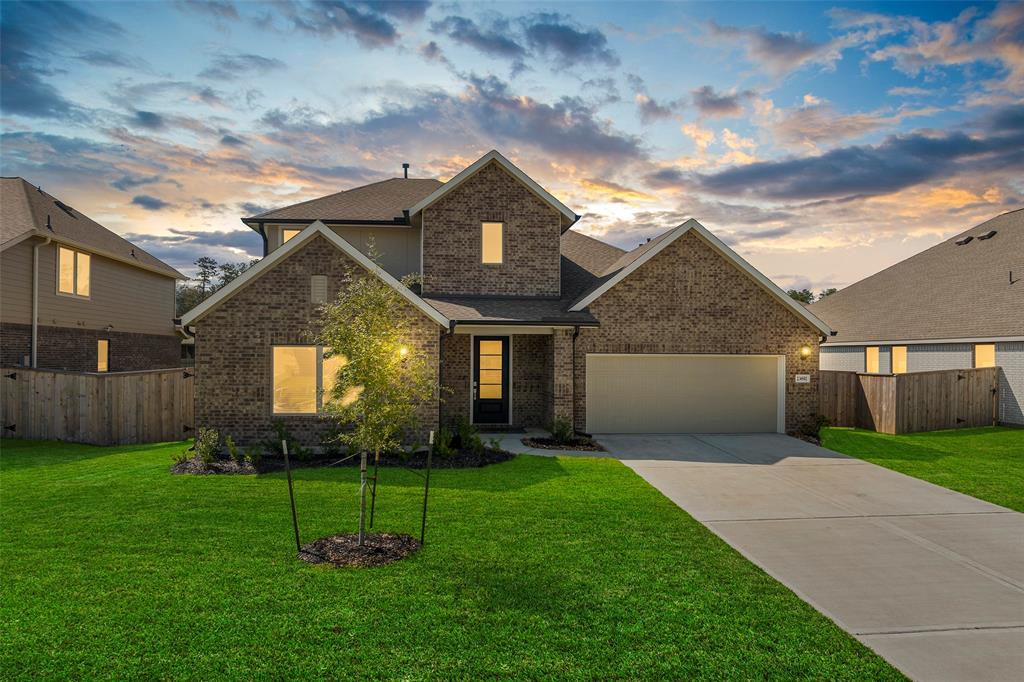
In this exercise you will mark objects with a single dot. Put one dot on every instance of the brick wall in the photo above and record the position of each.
(531, 380)
(234, 347)
(455, 377)
(75, 349)
(452, 239)
(690, 299)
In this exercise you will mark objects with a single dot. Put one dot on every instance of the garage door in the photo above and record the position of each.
(684, 393)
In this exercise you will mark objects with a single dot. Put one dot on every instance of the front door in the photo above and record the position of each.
(490, 380)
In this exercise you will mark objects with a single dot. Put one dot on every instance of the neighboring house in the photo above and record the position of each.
(76, 296)
(526, 319)
(957, 305)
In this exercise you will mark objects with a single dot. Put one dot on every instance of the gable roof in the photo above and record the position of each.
(632, 260)
(584, 260)
(25, 210)
(289, 247)
(948, 291)
(569, 217)
(383, 201)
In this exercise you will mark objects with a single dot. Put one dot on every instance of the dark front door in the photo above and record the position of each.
(490, 380)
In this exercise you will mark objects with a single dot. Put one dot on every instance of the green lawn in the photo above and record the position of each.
(535, 568)
(987, 463)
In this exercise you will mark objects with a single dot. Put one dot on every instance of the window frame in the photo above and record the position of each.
(105, 344)
(319, 380)
(867, 360)
(76, 254)
(501, 245)
(974, 355)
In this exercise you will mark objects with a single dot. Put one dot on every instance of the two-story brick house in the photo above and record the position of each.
(527, 319)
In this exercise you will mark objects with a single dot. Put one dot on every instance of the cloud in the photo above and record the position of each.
(180, 248)
(150, 203)
(368, 21)
(149, 120)
(250, 209)
(817, 122)
(232, 141)
(220, 9)
(127, 182)
(778, 53)
(234, 66)
(113, 59)
(714, 104)
(492, 40)
(702, 137)
(27, 33)
(556, 35)
(897, 163)
(649, 109)
(432, 52)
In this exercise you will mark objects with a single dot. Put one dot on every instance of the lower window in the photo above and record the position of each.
(102, 355)
(985, 355)
(871, 359)
(303, 378)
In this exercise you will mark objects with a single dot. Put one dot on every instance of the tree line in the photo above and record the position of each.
(806, 296)
(210, 276)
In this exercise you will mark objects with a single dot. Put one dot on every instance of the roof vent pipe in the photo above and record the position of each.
(405, 170)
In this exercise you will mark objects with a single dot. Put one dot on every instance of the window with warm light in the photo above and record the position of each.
(871, 359)
(102, 355)
(74, 270)
(899, 359)
(304, 377)
(985, 355)
(287, 234)
(491, 238)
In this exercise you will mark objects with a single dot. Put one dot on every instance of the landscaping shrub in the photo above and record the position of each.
(234, 452)
(206, 445)
(443, 443)
(562, 432)
(467, 436)
(813, 427)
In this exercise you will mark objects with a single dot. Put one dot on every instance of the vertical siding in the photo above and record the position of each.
(1010, 360)
(842, 358)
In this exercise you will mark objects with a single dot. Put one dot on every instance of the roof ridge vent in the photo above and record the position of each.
(987, 235)
(964, 240)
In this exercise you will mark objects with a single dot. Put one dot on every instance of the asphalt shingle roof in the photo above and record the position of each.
(949, 291)
(510, 310)
(378, 201)
(24, 209)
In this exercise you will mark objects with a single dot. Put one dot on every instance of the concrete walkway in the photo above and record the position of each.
(931, 579)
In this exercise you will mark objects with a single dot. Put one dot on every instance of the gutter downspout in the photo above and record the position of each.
(263, 233)
(35, 299)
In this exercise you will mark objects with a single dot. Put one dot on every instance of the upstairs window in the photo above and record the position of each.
(491, 238)
(73, 272)
(985, 355)
(287, 234)
(871, 359)
(899, 359)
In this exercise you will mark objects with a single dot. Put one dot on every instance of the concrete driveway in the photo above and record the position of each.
(931, 579)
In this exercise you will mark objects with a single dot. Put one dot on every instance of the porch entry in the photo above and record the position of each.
(490, 380)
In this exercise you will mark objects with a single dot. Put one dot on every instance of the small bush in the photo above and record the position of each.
(815, 425)
(468, 436)
(206, 445)
(495, 443)
(562, 431)
(234, 452)
(252, 456)
(443, 443)
(183, 456)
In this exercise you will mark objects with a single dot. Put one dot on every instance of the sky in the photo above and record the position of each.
(823, 141)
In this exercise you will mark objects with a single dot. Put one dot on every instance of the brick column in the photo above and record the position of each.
(561, 371)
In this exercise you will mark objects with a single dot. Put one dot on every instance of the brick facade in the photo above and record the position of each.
(452, 239)
(234, 347)
(455, 370)
(75, 349)
(690, 299)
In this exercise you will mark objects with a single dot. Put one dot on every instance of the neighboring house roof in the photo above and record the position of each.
(584, 259)
(289, 247)
(950, 291)
(569, 217)
(507, 310)
(632, 260)
(25, 211)
(383, 201)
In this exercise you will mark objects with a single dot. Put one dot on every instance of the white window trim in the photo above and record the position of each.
(319, 381)
(501, 236)
(74, 271)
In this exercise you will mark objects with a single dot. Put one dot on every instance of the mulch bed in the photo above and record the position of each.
(813, 440)
(587, 444)
(379, 549)
(462, 459)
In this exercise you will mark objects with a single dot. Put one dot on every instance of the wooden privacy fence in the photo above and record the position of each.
(99, 408)
(908, 403)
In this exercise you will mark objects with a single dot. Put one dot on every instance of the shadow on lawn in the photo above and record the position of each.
(521, 472)
(25, 454)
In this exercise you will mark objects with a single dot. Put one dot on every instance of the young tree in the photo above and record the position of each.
(207, 270)
(380, 376)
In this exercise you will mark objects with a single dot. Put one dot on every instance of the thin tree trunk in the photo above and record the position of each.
(373, 493)
(362, 498)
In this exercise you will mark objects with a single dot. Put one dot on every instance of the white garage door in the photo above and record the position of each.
(685, 393)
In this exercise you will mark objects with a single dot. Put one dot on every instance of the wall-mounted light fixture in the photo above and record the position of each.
(403, 351)
(805, 351)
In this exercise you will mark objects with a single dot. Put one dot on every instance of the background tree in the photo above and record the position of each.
(802, 295)
(206, 270)
(381, 376)
(210, 276)
(827, 292)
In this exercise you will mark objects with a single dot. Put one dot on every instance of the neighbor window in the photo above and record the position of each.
(491, 239)
(102, 355)
(871, 359)
(303, 378)
(899, 359)
(985, 355)
(73, 272)
(287, 234)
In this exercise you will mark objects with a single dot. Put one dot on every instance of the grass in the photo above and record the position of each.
(987, 463)
(534, 568)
